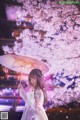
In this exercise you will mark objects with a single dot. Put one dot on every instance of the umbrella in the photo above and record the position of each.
(22, 64)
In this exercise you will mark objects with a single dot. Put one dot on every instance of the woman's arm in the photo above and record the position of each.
(22, 92)
(39, 98)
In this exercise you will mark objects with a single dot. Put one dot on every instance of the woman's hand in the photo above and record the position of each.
(19, 86)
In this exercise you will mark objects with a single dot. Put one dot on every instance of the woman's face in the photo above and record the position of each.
(33, 81)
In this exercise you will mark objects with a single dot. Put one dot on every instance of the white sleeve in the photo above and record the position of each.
(39, 97)
(22, 93)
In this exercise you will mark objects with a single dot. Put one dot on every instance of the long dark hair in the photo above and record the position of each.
(40, 81)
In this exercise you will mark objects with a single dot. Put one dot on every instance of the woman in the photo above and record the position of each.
(34, 97)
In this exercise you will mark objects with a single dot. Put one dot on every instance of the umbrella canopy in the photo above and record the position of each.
(22, 64)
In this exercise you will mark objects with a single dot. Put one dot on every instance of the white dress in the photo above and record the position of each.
(33, 105)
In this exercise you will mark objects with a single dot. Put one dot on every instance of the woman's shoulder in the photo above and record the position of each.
(39, 90)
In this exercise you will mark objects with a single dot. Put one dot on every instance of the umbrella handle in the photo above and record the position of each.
(20, 81)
